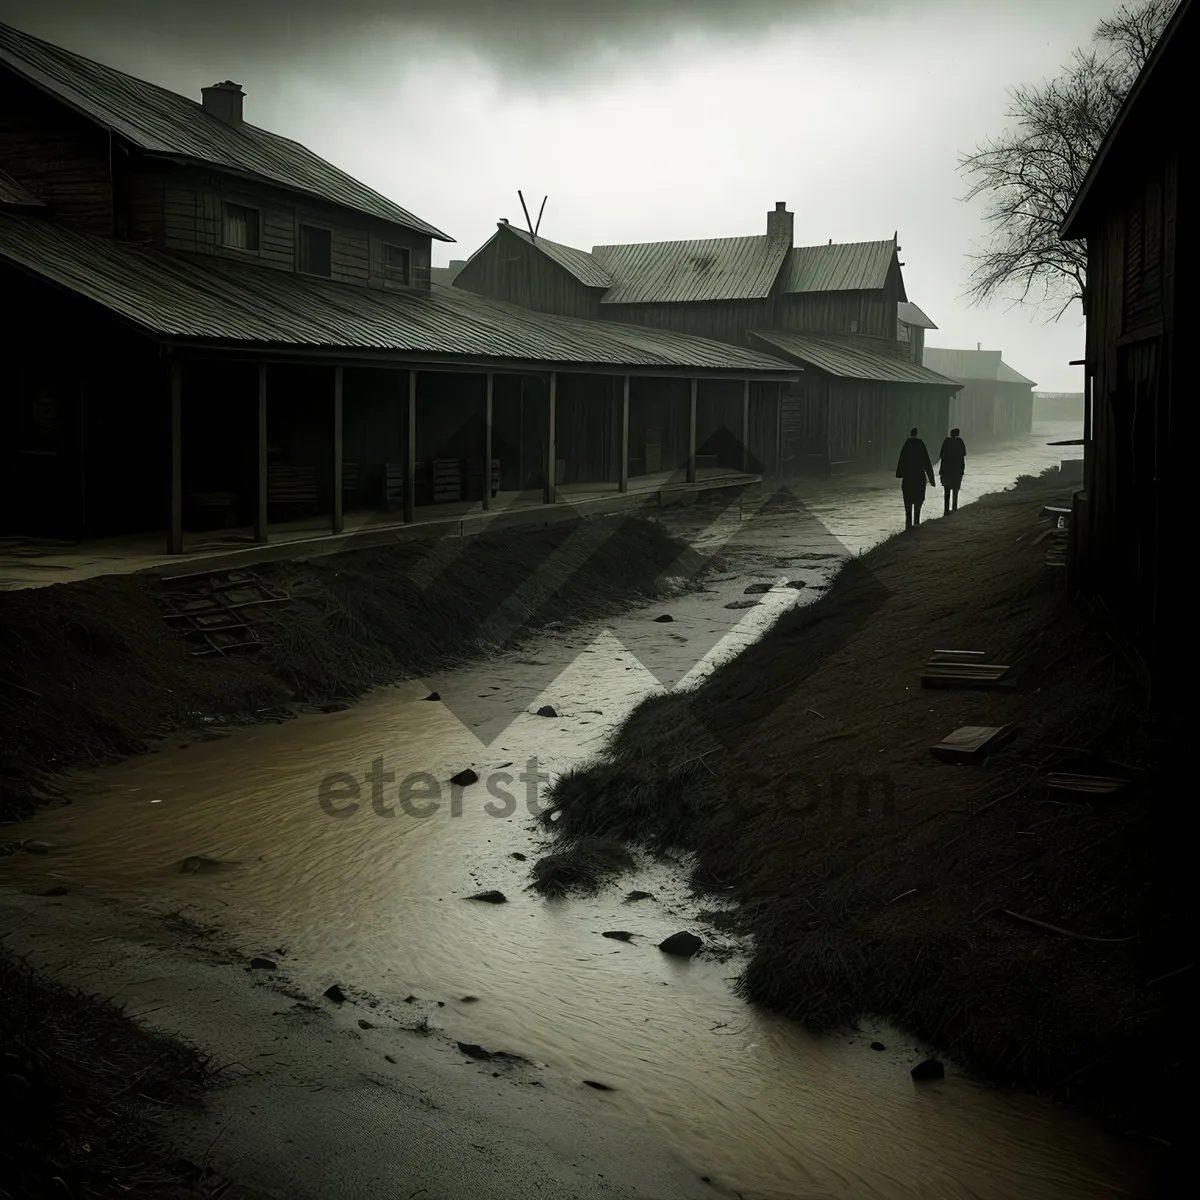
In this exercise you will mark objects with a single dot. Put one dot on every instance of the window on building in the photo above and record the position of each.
(314, 251)
(396, 266)
(241, 228)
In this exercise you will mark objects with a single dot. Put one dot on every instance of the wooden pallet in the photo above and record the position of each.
(221, 613)
(447, 480)
(393, 483)
(291, 487)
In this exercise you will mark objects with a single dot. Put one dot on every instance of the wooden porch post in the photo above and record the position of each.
(691, 462)
(175, 530)
(779, 431)
(549, 492)
(260, 503)
(487, 443)
(410, 453)
(746, 427)
(336, 521)
(623, 474)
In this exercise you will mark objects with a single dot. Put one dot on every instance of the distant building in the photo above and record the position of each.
(1137, 212)
(839, 312)
(448, 274)
(996, 402)
(1058, 406)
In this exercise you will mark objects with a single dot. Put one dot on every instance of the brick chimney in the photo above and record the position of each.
(780, 224)
(224, 101)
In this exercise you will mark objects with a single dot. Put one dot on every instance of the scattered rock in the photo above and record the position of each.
(600, 1087)
(878, 1046)
(546, 711)
(389, 1058)
(929, 1069)
(492, 897)
(664, 618)
(471, 1050)
(434, 696)
(364, 1024)
(503, 765)
(468, 1000)
(196, 863)
(36, 847)
(518, 856)
(59, 889)
(464, 778)
(262, 964)
(409, 999)
(757, 589)
(636, 895)
(797, 584)
(622, 935)
(681, 945)
(335, 993)
(740, 604)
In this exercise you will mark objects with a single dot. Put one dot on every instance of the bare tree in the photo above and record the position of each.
(1031, 174)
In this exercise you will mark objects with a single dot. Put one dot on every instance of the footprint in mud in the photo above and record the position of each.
(196, 864)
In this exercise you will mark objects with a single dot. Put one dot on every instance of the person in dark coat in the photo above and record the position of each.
(952, 462)
(913, 469)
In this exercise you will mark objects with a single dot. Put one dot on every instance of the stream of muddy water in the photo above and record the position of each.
(376, 901)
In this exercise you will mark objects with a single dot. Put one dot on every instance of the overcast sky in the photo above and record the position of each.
(641, 120)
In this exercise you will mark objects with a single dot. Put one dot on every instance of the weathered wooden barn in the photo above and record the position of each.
(1136, 210)
(208, 326)
(839, 312)
(996, 402)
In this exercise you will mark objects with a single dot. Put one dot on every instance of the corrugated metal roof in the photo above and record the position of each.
(177, 297)
(850, 359)
(743, 268)
(580, 263)
(11, 192)
(845, 267)
(967, 365)
(162, 122)
(910, 314)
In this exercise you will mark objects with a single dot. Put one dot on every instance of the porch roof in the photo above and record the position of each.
(850, 358)
(207, 302)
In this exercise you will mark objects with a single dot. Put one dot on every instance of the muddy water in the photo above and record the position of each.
(376, 900)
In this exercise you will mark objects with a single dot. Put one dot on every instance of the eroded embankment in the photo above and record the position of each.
(903, 908)
(91, 672)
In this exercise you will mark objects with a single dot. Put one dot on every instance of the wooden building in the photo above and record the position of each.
(996, 402)
(1136, 212)
(201, 310)
(839, 312)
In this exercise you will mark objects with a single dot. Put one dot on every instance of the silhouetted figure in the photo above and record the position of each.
(952, 462)
(913, 469)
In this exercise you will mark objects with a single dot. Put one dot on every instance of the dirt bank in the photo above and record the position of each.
(898, 907)
(91, 672)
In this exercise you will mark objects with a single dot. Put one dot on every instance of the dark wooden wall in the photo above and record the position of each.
(57, 155)
(508, 268)
(725, 321)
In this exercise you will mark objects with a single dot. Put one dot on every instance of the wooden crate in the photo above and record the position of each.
(293, 488)
(393, 484)
(447, 480)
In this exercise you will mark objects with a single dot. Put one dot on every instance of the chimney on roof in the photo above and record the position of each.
(224, 101)
(978, 345)
(502, 221)
(780, 224)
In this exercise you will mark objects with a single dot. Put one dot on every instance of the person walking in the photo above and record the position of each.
(913, 469)
(952, 462)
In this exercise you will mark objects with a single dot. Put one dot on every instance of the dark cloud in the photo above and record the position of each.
(536, 36)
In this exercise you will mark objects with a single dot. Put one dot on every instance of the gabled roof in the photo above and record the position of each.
(165, 124)
(1181, 29)
(741, 268)
(579, 263)
(848, 267)
(850, 358)
(910, 314)
(11, 192)
(986, 365)
(207, 300)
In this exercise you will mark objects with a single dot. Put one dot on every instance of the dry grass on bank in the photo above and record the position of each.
(900, 910)
(90, 672)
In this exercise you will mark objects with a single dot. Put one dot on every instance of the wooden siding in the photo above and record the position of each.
(726, 321)
(58, 156)
(866, 313)
(507, 268)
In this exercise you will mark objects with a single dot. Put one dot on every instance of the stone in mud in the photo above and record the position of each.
(195, 863)
(740, 604)
(757, 589)
(546, 711)
(471, 1050)
(492, 897)
(878, 1046)
(409, 999)
(518, 856)
(389, 1058)
(600, 1087)
(797, 584)
(929, 1069)
(635, 895)
(433, 696)
(468, 1000)
(59, 889)
(262, 964)
(364, 1024)
(681, 945)
(464, 778)
(621, 935)
(335, 993)
(36, 847)
(664, 618)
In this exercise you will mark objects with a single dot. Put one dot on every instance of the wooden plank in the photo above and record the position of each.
(746, 427)
(336, 522)
(623, 449)
(410, 462)
(691, 460)
(175, 530)
(489, 483)
(260, 506)
(972, 743)
(549, 492)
